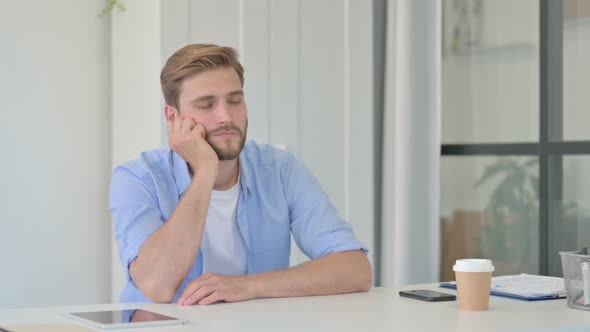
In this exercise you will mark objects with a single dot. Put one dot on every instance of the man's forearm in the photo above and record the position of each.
(167, 256)
(343, 272)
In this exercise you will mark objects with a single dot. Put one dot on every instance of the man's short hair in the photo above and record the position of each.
(194, 59)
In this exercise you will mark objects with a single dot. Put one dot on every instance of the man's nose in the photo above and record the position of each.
(222, 113)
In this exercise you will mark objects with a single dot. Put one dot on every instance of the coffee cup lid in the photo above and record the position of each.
(473, 265)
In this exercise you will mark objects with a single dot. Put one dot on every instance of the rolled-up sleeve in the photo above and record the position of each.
(135, 212)
(316, 225)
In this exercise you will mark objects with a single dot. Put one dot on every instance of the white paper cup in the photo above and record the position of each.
(474, 280)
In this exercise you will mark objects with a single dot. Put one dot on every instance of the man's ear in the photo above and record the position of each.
(170, 112)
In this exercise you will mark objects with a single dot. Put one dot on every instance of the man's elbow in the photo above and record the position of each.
(156, 292)
(366, 284)
(365, 280)
(151, 288)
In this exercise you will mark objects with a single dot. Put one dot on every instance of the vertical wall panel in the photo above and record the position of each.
(284, 51)
(284, 89)
(174, 25)
(359, 89)
(322, 99)
(255, 50)
(215, 21)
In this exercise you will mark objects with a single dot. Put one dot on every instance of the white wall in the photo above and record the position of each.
(55, 142)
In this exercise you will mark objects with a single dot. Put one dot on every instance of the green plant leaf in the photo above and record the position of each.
(111, 5)
(494, 169)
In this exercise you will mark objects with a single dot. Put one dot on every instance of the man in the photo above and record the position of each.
(209, 218)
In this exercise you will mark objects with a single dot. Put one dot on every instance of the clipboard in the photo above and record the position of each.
(524, 287)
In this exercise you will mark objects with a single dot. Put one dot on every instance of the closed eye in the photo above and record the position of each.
(205, 105)
(235, 97)
(235, 100)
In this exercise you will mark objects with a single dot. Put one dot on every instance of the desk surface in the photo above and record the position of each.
(381, 309)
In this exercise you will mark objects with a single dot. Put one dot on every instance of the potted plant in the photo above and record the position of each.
(510, 234)
(510, 230)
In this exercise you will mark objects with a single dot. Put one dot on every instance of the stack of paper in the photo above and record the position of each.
(524, 287)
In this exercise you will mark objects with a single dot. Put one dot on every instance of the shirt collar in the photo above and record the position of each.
(183, 178)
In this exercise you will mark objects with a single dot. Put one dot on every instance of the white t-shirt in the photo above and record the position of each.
(222, 245)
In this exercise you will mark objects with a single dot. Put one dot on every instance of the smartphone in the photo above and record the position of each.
(427, 295)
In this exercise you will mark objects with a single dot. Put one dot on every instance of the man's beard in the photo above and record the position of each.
(228, 153)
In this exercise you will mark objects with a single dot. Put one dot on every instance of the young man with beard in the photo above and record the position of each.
(209, 218)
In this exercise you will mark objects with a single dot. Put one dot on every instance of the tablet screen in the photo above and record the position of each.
(122, 316)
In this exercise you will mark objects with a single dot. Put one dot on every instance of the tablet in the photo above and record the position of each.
(130, 318)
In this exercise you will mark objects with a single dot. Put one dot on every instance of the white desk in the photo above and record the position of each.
(381, 309)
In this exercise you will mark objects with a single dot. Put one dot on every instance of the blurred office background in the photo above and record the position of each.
(515, 133)
(439, 129)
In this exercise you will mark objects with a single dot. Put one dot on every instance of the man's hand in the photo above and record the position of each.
(210, 288)
(187, 138)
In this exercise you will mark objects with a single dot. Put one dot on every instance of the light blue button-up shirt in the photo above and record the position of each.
(278, 196)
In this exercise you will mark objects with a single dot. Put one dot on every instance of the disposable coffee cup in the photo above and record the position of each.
(474, 280)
